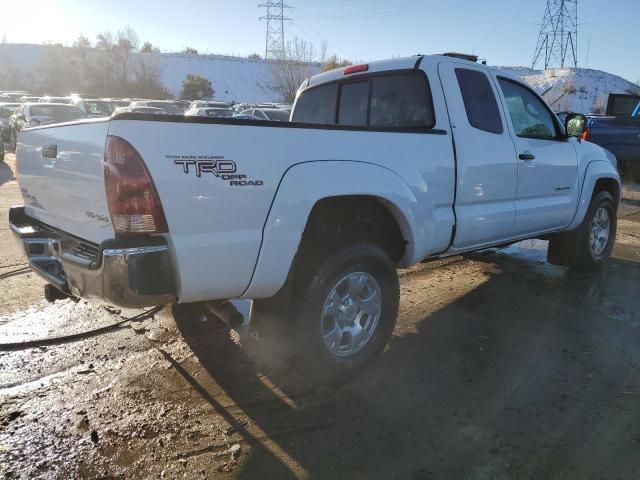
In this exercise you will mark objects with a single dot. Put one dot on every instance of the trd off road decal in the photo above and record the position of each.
(216, 165)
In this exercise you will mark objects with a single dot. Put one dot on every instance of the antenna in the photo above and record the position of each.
(558, 37)
(274, 38)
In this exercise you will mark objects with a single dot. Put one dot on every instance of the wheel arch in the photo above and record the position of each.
(599, 176)
(310, 187)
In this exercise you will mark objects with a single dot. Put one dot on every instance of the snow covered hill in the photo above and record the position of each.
(579, 90)
(247, 80)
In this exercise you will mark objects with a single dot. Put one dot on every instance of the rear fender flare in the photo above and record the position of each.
(301, 187)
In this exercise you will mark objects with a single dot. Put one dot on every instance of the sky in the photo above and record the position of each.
(504, 32)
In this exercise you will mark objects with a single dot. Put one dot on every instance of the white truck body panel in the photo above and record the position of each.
(67, 192)
(453, 188)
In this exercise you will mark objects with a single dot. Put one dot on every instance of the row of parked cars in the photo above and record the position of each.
(20, 109)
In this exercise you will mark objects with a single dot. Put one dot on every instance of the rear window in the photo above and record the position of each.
(394, 100)
(317, 105)
(354, 103)
(479, 100)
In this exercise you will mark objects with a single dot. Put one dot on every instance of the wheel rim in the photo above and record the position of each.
(600, 230)
(351, 313)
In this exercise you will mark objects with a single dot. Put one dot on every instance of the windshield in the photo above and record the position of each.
(218, 112)
(58, 113)
(169, 107)
(281, 115)
(98, 108)
(7, 110)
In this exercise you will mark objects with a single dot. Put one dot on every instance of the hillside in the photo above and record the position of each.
(248, 80)
(574, 89)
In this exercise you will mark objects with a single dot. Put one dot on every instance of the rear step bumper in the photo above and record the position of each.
(122, 272)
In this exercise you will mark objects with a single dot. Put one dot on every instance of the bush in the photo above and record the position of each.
(196, 87)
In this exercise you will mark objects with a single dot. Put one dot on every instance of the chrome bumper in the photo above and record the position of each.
(123, 272)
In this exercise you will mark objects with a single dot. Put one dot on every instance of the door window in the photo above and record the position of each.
(401, 101)
(479, 100)
(529, 115)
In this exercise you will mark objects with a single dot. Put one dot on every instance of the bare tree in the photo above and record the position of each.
(290, 71)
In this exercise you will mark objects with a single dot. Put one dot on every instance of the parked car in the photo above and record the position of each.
(50, 99)
(208, 103)
(621, 136)
(119, 102)
(37, 114)
(12, 96)
(311, 218)
(6, 110)
(210, 112)
(93, 107)
(28, 98)
(269, 114)
(130, 109)
(245, 116)
(83, 95)
(185, 105)
(167, 105)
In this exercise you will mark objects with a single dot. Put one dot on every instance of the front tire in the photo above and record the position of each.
(594, 239)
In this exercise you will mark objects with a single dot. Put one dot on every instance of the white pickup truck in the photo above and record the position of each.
(381, 166)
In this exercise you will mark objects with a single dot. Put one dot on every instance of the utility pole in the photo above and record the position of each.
(274, 38)
(558, 36)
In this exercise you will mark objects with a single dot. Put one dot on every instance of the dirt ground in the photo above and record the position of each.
(501, 367)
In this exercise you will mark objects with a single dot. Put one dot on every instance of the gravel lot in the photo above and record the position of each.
(501, 367)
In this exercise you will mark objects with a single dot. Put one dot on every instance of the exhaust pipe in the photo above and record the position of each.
(52, 293)
(226, 312)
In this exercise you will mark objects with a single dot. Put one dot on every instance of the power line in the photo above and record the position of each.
(275, 17)
(558, 36)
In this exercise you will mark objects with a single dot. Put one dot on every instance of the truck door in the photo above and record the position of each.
(547, 163)
(485, 156)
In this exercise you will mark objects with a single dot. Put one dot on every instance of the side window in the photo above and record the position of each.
(529, 115)
(401, 101)
(317, 105)
(479, 100)
(354, 102)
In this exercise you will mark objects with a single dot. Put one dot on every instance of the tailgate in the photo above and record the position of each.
(61, 176)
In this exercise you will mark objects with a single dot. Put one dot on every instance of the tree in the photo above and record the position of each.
(196, 87)
(190, 51)
(293, 68)
(148, 47)
(254, 56)
(334, 62)
(115, 67)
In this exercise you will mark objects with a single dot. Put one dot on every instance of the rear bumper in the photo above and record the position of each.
(123, 272)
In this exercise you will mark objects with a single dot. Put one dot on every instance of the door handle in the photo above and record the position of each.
(49, 151)
(526, 156)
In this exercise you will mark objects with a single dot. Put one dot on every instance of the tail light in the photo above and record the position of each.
(132, 197)
(585, 134)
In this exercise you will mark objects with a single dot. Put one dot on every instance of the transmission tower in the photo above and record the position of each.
(275, 17)
(558, 37)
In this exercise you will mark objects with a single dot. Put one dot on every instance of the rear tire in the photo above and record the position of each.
(343, 314)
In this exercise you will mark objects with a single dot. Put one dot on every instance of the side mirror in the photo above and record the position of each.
(575, 124)
(34, 122)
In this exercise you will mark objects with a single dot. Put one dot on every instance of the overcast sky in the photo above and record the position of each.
(502, 31)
